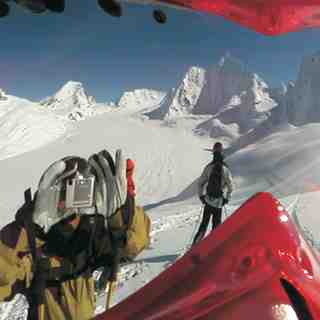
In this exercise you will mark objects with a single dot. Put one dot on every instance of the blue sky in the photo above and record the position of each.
(38, 54)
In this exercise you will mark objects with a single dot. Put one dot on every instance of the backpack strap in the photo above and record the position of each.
(127, 211)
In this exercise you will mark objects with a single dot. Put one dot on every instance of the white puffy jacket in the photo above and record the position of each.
(226, 185)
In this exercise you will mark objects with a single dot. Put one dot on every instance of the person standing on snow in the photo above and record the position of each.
(217, 179)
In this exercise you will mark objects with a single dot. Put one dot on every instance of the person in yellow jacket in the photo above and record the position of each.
(61, 235)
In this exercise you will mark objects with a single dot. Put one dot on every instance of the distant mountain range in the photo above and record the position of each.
(230, 103)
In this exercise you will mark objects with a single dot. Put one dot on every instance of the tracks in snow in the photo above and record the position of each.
(175, 221)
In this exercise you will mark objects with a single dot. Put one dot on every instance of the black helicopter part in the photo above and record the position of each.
(111, 7)
(4, 9)
(159, 16)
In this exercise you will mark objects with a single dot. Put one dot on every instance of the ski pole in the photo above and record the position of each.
(195, 228)
(224, 213)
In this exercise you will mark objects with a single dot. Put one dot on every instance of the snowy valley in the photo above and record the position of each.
(271, 135)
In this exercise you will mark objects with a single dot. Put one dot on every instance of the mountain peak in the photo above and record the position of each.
(181, 101)
(227, 81)
(70, 100)
(230, 64)
(72, 83)
(74, 89)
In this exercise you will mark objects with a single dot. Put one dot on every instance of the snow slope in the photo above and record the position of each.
(168, 161)
(272, 156)
(25, 126)
(164, 156)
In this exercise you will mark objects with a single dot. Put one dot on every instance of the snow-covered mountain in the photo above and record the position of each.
(298, 104)
(301, 104)
(71, 102)
(237, 100)
(277, 121)
(225, 102)
(241, 113)
(223, 81)
(25, 126)
(182, 100)
(140, 99)
(240, 101)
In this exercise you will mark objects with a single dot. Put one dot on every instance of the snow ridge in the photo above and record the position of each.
(140, 99)
(25, 126)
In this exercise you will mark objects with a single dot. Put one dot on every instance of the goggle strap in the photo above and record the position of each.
(68, 173)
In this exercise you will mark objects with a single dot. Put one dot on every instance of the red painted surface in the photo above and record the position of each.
(270, 17)
(234, 273)
(131, 185)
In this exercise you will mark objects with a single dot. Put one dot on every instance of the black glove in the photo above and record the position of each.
(202, 199)
(225, 201)
(25, 211)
